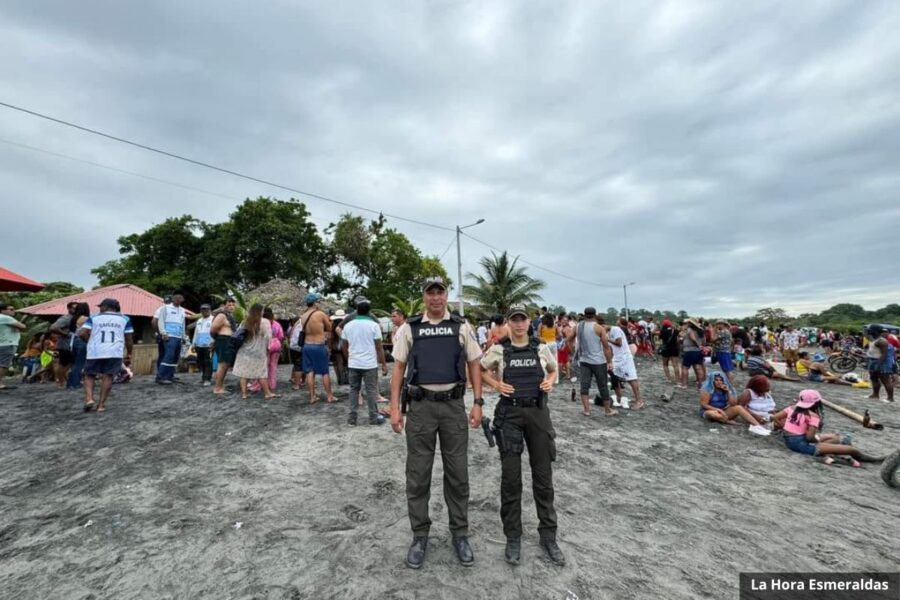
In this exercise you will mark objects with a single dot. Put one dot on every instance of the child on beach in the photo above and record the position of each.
(802, 424)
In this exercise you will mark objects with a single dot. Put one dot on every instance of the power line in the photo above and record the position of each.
(264, 182)
(217, 168)
(536, 266)
(132, 173)
(447, 249)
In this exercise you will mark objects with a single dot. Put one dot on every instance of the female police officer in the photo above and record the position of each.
(523, 371)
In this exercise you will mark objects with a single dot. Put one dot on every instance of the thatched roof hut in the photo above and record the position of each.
(286, 298)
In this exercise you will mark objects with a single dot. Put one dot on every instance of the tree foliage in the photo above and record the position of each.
(52, 291)
(502, 284)
(380, 262)
(263, 239)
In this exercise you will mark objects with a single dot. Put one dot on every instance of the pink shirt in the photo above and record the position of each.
(803, 423)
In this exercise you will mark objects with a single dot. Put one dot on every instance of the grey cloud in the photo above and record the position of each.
(724, 155)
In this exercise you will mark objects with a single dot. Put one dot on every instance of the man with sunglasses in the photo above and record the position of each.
(432, 353)
(523, 371)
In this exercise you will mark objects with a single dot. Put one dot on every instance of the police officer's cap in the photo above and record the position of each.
(434, 282)
(590, 311)
(516, 309)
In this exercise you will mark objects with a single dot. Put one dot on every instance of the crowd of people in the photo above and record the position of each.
(438, 355)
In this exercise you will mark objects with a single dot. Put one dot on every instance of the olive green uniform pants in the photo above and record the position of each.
(427, 421)
(526, 427)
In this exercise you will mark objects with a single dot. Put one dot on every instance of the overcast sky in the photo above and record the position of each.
(725, 156)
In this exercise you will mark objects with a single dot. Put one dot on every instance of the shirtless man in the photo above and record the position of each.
(223, 325)
(316, 333)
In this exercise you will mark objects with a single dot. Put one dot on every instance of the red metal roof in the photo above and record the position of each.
(13, 282)
(135, 301)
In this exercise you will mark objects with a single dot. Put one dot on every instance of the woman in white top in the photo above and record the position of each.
(757, 399)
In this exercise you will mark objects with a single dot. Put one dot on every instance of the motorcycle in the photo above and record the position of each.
(846, 361)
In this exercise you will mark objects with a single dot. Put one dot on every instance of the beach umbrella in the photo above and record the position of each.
(13, 282)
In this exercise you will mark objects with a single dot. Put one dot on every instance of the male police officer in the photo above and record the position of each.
(431, 354)
(525, 372)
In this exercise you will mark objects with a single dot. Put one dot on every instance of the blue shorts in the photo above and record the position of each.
(799, 443)
(725, 361)
(815, 376)
(691, 358)
(102, 366)
(315, 359)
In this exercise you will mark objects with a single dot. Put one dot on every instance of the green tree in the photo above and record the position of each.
(379, 261)
(264, 239)
(772, 316)
(52, 291)
(411, 306)
(502, 284)
(163, 258)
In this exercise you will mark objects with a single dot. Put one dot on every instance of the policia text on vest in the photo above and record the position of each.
(433, 353)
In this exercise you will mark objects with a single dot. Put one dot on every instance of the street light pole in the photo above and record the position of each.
(459, 284)
(625, 292)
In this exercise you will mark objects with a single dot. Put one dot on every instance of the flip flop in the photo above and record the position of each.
(101, 409)
(3, 388)
(88, 406)
(640, 405)
(273, 396)
(611, 413)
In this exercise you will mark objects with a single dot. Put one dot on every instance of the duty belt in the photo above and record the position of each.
(521, 402)
(420, 393)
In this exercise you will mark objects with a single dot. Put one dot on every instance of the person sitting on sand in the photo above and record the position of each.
(802, 424)
(758, 365)
(815, 370)
(757, 399)
(31, 358)
(718, 403)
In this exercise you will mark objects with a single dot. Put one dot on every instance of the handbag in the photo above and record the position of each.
(238, 338)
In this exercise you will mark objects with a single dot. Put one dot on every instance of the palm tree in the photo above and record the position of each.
(502, 284)
(410, 307)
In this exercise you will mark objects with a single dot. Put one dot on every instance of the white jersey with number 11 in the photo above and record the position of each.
(108, 331)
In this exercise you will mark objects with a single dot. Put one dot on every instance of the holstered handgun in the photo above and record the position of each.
(486, 426)
(404, 397)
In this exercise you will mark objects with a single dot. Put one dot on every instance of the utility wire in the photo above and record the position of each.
(264, 182)
(450, 245)
(135, 174)
(220, 169)
(536, 266)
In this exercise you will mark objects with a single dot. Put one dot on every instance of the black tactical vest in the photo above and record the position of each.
(522, 369)
(436, 356)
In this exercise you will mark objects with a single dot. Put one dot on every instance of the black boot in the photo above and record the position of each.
(464, 551)
(553, 552)
(415, 557)
(513, 550)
